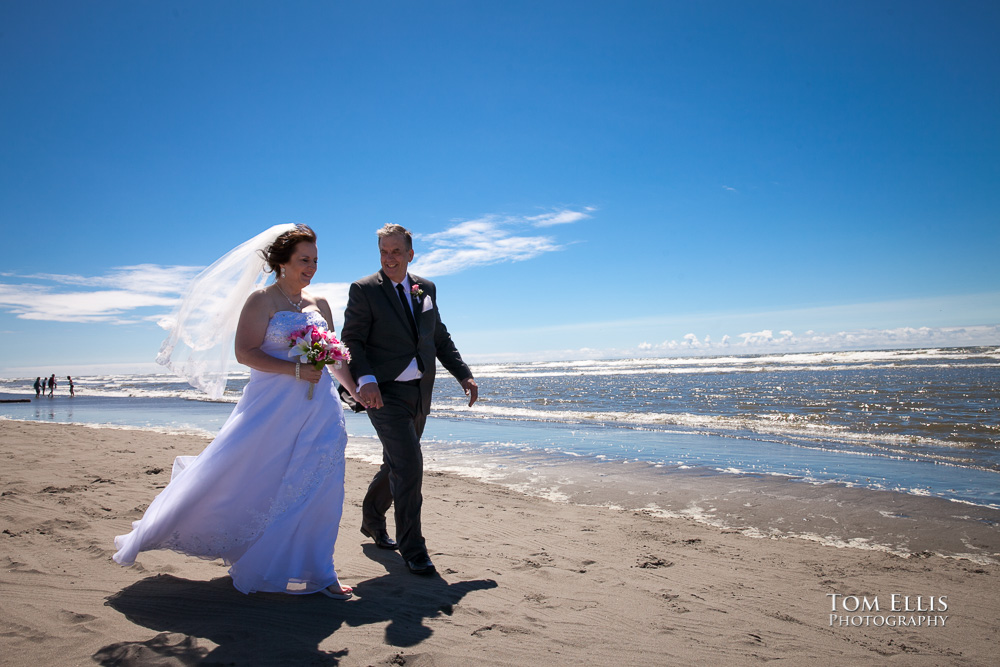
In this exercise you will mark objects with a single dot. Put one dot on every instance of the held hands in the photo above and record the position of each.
(471, 389)
(370, 396)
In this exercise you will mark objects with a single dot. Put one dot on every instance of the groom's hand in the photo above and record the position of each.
(370, 396)
(471, 389)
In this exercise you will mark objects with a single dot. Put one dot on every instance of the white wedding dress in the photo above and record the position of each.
(267, 494)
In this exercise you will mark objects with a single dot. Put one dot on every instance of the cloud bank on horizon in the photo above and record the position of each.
(898, 337)
(766, 342)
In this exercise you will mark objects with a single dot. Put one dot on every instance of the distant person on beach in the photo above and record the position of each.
(52, 383)
(71, 390)
(267, 494)
(38, 386)
(395, 334)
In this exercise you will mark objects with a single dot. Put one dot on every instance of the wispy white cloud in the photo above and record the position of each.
(142, 278)
(490, 240)
(560, 217)
(117, 296)
(113, 298)
(147, 292)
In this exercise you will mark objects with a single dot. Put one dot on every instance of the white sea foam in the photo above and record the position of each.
(774, 424)
(827, 361)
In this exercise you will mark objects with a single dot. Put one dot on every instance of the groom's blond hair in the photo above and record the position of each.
(396, 230)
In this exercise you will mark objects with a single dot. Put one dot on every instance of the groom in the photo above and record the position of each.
(394, 331)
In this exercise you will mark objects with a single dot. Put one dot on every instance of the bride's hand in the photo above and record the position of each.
(310, 373)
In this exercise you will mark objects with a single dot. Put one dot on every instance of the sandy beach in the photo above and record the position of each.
(523, 581)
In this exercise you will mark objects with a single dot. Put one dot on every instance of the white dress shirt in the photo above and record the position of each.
(411, 372)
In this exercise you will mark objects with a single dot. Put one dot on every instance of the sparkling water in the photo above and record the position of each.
(921, 423)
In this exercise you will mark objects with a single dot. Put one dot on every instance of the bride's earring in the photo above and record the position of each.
(282, 272)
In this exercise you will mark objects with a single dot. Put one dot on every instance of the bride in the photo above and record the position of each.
(267, 494)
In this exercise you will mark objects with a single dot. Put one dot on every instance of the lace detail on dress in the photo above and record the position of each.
(285, 322)
(290, 497)
(232, 541)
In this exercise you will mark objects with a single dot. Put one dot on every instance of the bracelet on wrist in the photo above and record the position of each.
(298, 365)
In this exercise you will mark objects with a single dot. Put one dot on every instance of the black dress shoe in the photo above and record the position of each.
(421, 565)
(381, 537)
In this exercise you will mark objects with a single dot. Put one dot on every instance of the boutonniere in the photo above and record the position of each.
(416, 292)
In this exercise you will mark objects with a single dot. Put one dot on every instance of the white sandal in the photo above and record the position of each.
(346, 595)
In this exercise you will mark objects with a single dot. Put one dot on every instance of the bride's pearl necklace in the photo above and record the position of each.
(296, 306)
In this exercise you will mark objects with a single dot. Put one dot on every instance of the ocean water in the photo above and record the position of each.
(903, 433)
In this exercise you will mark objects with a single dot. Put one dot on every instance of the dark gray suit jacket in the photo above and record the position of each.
(381, 341)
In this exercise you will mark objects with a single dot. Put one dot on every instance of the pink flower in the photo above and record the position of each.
(317, 347)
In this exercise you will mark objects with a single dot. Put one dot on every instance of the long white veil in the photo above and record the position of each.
(202, 329)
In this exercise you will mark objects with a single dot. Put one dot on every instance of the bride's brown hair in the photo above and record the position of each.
(280, 251)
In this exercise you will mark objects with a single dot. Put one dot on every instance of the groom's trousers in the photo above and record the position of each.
(399, 424)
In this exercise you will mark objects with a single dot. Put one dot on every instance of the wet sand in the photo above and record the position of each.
(522, 580)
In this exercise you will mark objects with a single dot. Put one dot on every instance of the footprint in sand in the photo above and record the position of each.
(74, 618)
(502, 629)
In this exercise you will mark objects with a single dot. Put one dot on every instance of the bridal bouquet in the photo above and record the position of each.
(319, 348)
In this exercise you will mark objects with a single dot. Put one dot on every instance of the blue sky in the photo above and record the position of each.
(585, 179)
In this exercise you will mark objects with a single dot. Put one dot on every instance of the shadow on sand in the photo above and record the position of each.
(271, 628)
